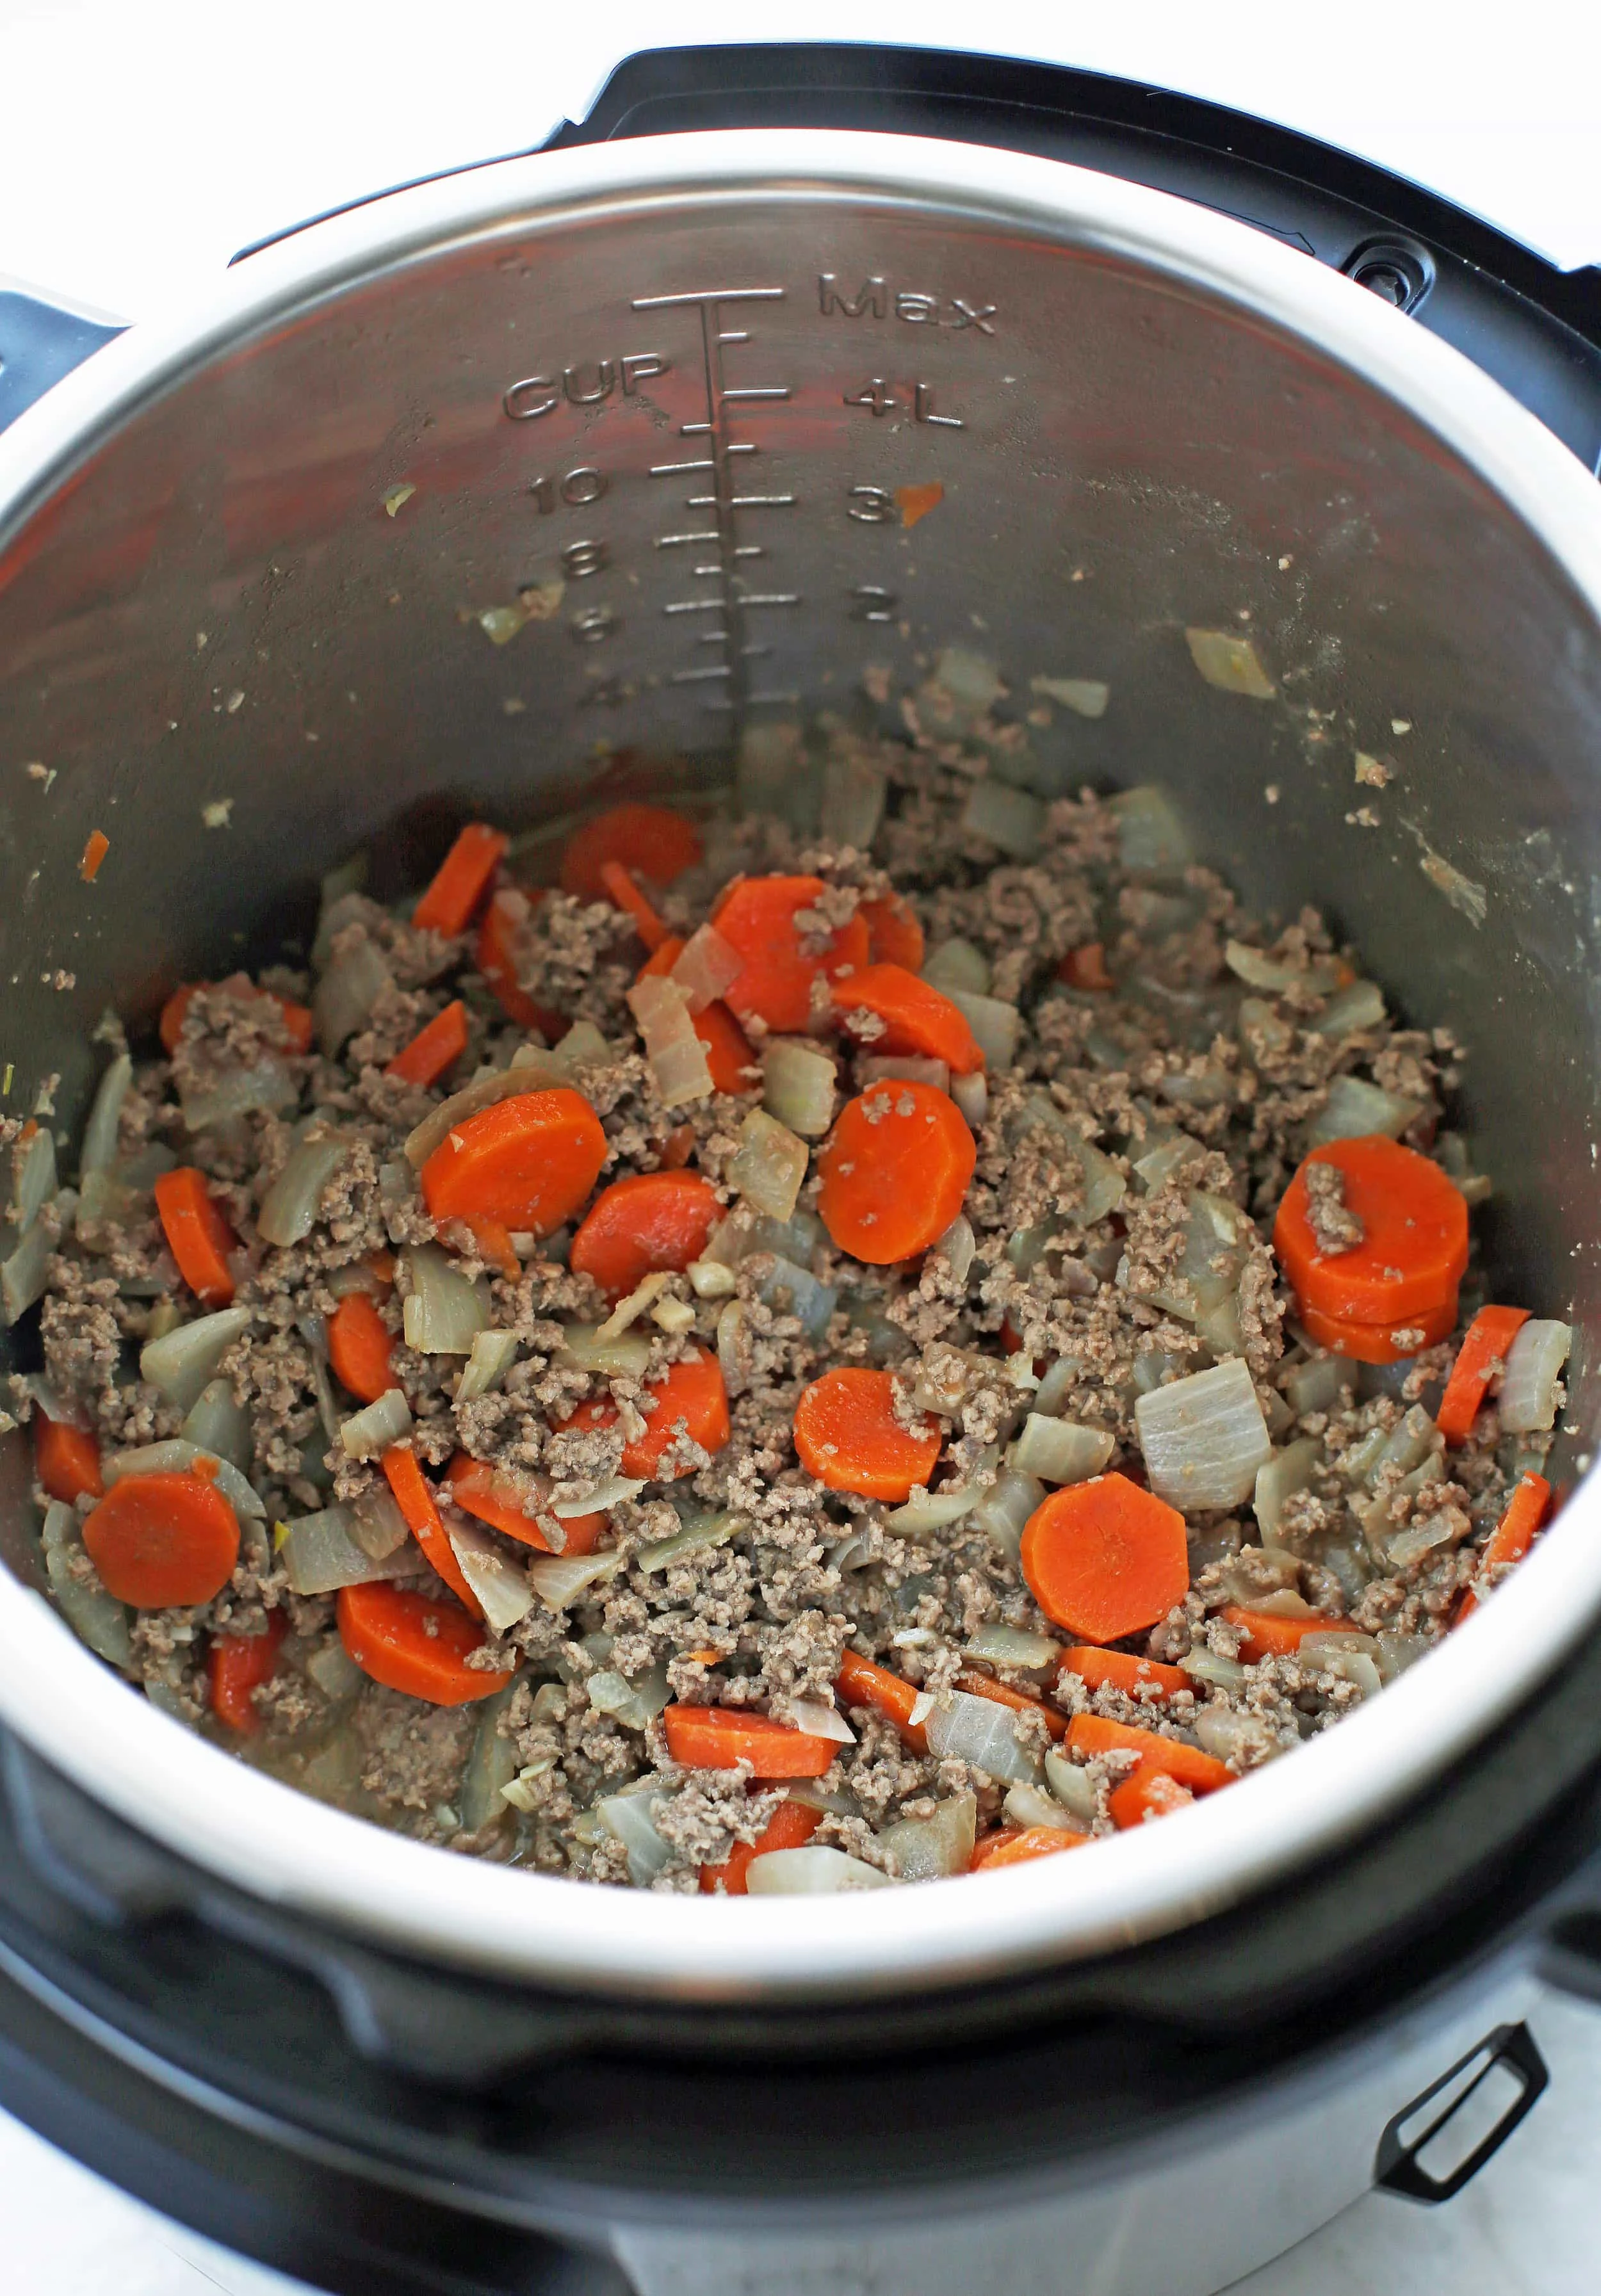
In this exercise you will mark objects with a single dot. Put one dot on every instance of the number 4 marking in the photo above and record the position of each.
(875, 396)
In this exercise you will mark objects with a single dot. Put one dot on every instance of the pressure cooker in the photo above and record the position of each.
(563, 478)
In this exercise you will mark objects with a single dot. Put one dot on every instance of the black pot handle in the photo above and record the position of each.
(1399, 2167)
(39, 343)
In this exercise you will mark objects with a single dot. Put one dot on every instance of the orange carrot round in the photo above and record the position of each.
(848, 1436)
(1104, 1558)
(462, 879)
(691, 1399)
(527, 1162)
(1016, 1845)
(163, 1542)
(1512, 1536)
(894, 936)
(650, 1221)
(624, 894)
(413, 1495)
(1414, 1245)
(1148, 1793)
(756, 916)
(409, 1642)
(361, 1348)
(895, 1171)
(433, 1049)
(298, 1023)
(237, 1664)
(1086, 967)
(792, 1823)
(495, 957)
(197, 1235)
(1092, 1734)
(863, 1682)
(1001, 1693)
(917, 1018)
(495, 1497)
(728, 1053)
(721, 1737)
(1380, 1343)
(1264, 1634)
(1481, 1357)
(657, 843)
(1110, 1669)
(65, 1459)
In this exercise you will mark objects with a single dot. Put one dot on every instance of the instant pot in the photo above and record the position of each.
(651, 393)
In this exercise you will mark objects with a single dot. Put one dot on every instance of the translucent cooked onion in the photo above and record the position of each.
(1150, 834)
(35, 1169)
(1361, 1005)
(1527, 1401)
(768, 1166)
(559, 1580)
(1227, 1734)
(1006, 817)
(958, 1246)
(1275, 975)
(177, 1456)
(183, 1361)
(813, 1871)
(219, 1423)
(1277, 1480)
(1032, 1806)
(853, 803)
(996, 1026)
(492, 1356)
(894, 1068)
(501, 1589)
(377, 1523)
(958, 963)
(730, 1331)
(971, 1096)
(701, 1533)
(712, 1279)
(798, 1086)
(1321, 1385)
(1058, 1451)
(444, 1310)
(99, 1150)
(1396, 1652)
(792, 1290)
(594, 1498)
(820, 1721)
(705, 966)
(967, 679)
(980, 1731)
(626, 1356)
(23, 1273)
(1071, 1785)
(926, 1848)
(1204, 1437)
(677, 1056)
(1001, 1513)
(1015, 1646)
(1409, 1442)
(264, 1084)
(365, 1434)
(492, 1766)
(95, 1617)
(1212, 1668)
(626, 1818)
(1355, 1107)
(582, 1047)
(347, 993)
(290, 1207)
(320, 1552)
(334, 1671)
(632, 1306)
(531, 1071)
(1086, 697)
(933, 1510)
(65, 1411)
(635, 1704)
(1060, 1380)
(1228, 661)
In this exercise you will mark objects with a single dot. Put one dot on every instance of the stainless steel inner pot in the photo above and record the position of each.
(664, 394)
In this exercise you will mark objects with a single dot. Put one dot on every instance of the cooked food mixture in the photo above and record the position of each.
(793, 1360)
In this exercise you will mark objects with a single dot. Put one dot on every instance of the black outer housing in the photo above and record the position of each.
(372, 2123)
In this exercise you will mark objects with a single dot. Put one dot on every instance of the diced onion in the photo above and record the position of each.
(64, 1411)
(674, 1316)
(996, 1026)
(98, 1150)
(492, 1766)
(967, 679)
(1204, 1437)
(627, 1818)
(933, 1510)
(1227, 1734)
(445, 1310)
(501, 1589)
(1355, 1107)
(1275, 974)
(35, 1168)
(1211, 1668)
(492, 1356)
(1058, 1451)
(957, 1247)
(582, 1047)
(1008, 818)
(815, 1869)
(792, 1291)
(23, 1273)
(926, 1848)
(93, 1615)
(712, 1279)
(290, 1207)
(216, 1423)
(1002, 1646)
(626, 1356)
(1397, 1650)
(820, 1721)
(1277, 1480)
(1071, 1785)
(1032, 1806)
(1228, 661)
(265, 1084)
(632, 1306)
(980, 1731)
(635, 1704)
(376, 1522)
(1321, 1385)
(1527, 1401)
(177, 1456)
(768, 1166)
(798, 1086)
(971, 1096)
(1001, 1513)
(706, 1530)
(677, 1056)
(531, 1071)
(957, 964)
(705, 966)
(1361, 1005)
(1060, 1380)
(730, 1328)
(320, 1552)
(559, 1580)
(367, 1433)
(1086, 697)
(1408, 1445)
(183, 1361)
(594, 1498)
(1150, 835)
(904, 1068)
(347, 993)
(853, 803)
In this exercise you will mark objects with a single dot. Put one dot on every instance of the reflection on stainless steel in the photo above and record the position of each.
(656, 402)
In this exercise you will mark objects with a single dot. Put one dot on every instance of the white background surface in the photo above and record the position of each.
(141, 146)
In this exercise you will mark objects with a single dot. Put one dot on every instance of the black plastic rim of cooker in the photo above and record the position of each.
(358, 2117)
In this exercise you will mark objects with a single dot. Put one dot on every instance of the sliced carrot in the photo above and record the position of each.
(492, 1241)
(863, 1682)
(728, 1053)
(495, 1496)
(1086, 967)
(1481, 1357)
(895, 1171)
(65, 1459)
(1001, 1693)
(721, 1737)
(434, 1048)
(1093, 1735)
(1415, 1243)
(690, 1399)
(1512, 1536)
(792, 1823)
(1380, 1343)
(1110, 1669)
(894, 936)
(463, 878)
(624, 894)
(657, 843)
(237, 1664)
(298, 1023)
(650, 1221)
(96, 845)
(495, 957)
(661, 958)
(163, 1542)
(917, 1018)
(409, 1642)
(361, 1348)
(848, 1436)
(1105, 1559)
(1266, 1636)
(1016, 1845)
(413, 1495)
(527, 1162)
(197, 1235)
(1149, 1793)
(678, 1147)
(757, 917)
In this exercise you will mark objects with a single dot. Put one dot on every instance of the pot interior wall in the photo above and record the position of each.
(234, 648)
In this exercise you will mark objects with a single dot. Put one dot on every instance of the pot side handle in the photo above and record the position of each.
(39, 343)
